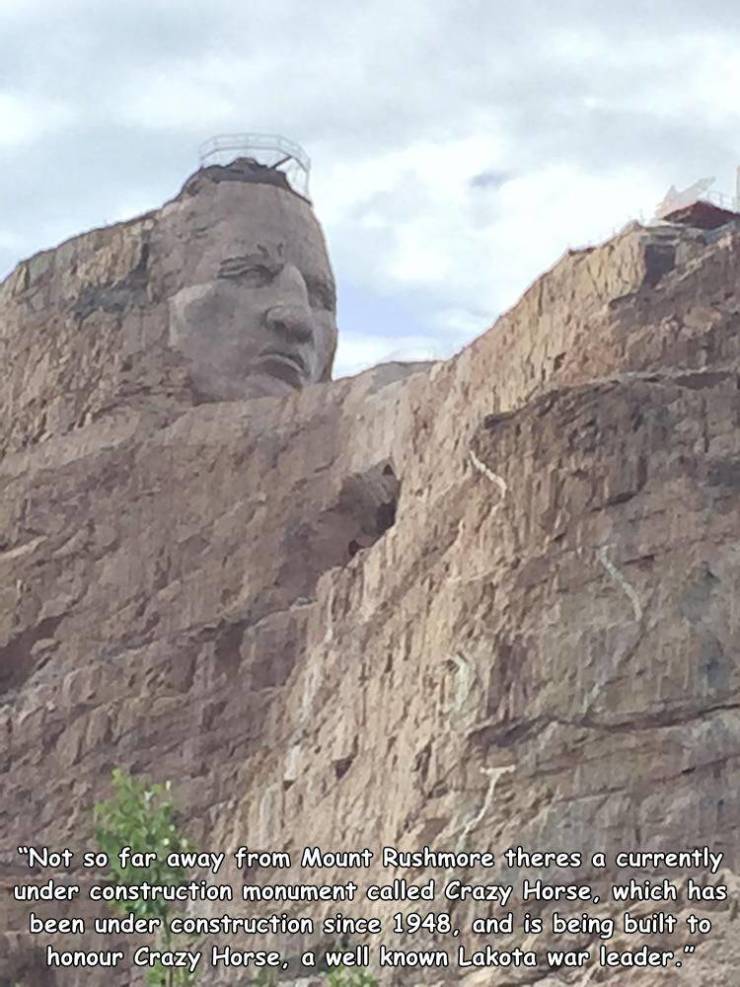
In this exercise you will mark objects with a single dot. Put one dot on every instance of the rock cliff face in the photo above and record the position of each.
(488, 603)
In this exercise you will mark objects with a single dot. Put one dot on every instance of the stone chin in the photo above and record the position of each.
(235, 348)
(212, 386)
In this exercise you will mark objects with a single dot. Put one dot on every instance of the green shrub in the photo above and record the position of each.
(347, 977)
(140, 815)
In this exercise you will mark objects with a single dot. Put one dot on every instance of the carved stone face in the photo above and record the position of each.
(257, 315)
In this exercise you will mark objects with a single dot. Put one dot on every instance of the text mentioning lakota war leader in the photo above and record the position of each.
(550, 902)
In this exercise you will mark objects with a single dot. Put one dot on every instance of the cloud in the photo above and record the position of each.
(490, 178)
(357, 351)
(8, 241)
(458, 149)
(26, 120)
(474, 249)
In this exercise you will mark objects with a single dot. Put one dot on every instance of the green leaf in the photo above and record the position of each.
(139, 816)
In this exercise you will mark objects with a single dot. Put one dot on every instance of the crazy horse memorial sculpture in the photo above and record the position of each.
(485, 603)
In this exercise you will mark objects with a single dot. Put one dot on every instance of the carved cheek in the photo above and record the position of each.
(326, 338)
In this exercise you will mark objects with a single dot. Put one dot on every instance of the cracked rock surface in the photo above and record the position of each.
(489, 603)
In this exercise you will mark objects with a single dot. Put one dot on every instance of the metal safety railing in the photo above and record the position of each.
(720, 199)
(698, 192)
(270, 150)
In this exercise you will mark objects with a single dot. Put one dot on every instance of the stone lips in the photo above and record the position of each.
(539, 651)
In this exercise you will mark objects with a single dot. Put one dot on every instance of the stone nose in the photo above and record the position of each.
(291, 322)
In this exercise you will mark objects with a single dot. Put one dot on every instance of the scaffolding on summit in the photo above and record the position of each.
(699, 205)
(264, 150)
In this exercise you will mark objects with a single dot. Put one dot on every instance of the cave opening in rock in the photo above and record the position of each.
(370, 500)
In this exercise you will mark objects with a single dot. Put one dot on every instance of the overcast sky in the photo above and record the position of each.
(458, 146)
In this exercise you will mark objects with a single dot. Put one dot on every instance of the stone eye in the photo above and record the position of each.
(253, 273)
(257, 276)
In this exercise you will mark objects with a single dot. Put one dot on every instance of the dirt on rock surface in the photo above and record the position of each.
(486, 603)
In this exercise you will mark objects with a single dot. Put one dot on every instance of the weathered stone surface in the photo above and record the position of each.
(488, 604)
(112, 322)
